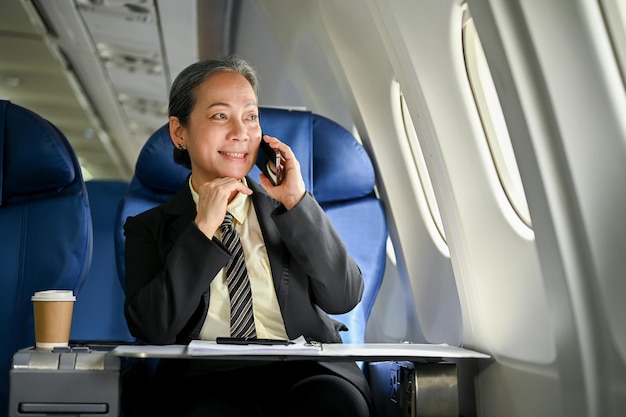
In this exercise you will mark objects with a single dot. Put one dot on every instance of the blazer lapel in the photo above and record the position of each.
(180, 210)
(264, 205)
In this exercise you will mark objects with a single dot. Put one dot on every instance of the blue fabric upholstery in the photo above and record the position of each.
(157, 178)
(45, 224)
(336, 170)
(99, 308)
(344, 181)
(343, 170)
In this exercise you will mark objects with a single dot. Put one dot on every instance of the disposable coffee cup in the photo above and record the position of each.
(53, 317)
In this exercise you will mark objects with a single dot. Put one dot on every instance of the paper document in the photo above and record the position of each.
(211, 348)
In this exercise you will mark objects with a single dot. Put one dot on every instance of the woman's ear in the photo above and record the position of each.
(176, 133)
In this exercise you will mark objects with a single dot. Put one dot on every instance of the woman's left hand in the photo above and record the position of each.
(292, 189)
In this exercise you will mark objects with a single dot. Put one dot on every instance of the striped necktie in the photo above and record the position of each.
(241, 317)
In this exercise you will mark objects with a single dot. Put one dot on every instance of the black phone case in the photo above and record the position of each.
(269, 154)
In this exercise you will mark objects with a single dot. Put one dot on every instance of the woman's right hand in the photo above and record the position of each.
(213, 199)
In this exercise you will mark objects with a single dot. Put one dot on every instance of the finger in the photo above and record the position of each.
(265, 182)
(274, 142)
(224, 186)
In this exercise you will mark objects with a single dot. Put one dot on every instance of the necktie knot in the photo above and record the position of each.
(227, 223)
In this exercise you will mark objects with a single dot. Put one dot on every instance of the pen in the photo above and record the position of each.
(251, 341)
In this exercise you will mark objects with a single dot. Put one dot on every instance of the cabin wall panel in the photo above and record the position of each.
(589, 99)
(586, 90)
(497, 264)
(434, 295)
(299, 40)
(369, 82)
(278, 84)
(522, 300)
(570, 99)
(497, 269)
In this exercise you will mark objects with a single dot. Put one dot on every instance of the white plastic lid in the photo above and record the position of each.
(54, 295)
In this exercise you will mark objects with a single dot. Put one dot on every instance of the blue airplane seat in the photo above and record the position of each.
(336, 170)
(45, 222)
(99, 308)
(344, 182)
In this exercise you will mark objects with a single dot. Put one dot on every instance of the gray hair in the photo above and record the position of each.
(183, 92)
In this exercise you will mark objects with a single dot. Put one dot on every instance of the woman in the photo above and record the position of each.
(177, 268)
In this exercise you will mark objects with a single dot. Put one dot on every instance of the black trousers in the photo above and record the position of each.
(271, 389)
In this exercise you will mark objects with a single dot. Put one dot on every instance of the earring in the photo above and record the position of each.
(181, 147)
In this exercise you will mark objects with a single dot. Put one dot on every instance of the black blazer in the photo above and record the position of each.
(170, 264)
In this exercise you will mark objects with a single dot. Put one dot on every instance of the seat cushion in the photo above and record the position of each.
(362, 226)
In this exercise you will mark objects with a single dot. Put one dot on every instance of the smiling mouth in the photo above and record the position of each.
(236, 155)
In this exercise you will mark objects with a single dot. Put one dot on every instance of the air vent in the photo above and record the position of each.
(140, 10)
(130, 60)
(126, 35)
(141, 105)
(115, 24)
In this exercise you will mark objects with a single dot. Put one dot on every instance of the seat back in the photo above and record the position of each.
(344, 181)
(99, 307)
(336, 170)
(45, 223)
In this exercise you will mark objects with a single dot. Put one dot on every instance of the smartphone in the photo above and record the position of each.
(271, 157)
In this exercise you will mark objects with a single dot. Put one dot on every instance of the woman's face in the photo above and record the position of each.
(223, 133)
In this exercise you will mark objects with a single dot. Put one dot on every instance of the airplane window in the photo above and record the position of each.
(493, 122)
(423, 179)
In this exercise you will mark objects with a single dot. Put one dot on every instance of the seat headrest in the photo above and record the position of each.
(342, 169)
(155, 168)
(35, 158)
